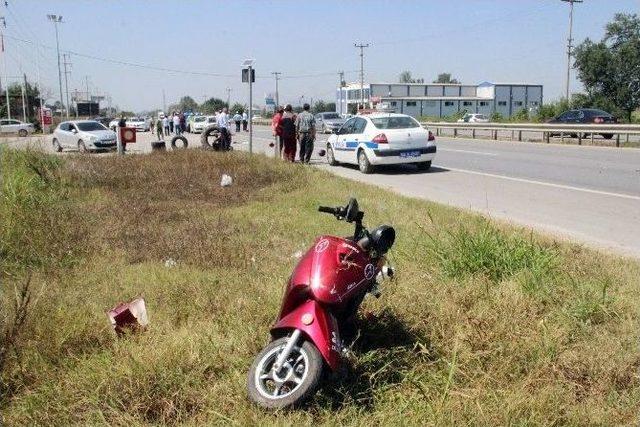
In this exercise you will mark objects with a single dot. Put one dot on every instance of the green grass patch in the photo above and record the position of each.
(485, 324)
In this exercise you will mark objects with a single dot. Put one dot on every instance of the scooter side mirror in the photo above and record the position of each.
(353, 211)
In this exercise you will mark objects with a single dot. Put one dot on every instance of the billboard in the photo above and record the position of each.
(88, 108)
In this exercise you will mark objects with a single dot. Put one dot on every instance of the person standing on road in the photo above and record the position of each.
(171, 121)
(287, 123)
(176, 124)
(245, 121)
(159, 127)
(166, 126)
(237, 118)
(183, 122)
(277, 130)
(122, 123)
(223, 126)
(306, 133)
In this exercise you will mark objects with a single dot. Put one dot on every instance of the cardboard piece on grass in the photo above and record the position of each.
(129, 316)
(226, 181)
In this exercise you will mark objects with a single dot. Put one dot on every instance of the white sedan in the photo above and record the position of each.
(199, 123)
(83, 135)
(140, 124)
(474, 118)
(16, 126)
(381, 139)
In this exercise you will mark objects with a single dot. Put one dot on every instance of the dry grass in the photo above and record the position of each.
(485, 324)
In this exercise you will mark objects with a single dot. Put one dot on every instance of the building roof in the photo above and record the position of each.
(484, 84)
(435, 98)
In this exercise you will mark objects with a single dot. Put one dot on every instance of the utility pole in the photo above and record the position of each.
(277, 75)
(56, 19)
(569, 45)
(164, 103)
(340, 86)
(66, 81)
(25, 101)
(228, 97)
(361, 46)
(86, 82)
(4, 63)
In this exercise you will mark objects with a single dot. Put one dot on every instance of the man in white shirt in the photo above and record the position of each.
(176, 124)
(245, 121)
(223, 125)
(165, 125)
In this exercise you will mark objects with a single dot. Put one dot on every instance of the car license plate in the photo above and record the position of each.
(409, 154)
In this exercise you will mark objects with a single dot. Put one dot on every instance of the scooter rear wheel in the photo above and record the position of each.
(296, 382)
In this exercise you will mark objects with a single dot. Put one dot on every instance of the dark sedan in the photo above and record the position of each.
(586, 116)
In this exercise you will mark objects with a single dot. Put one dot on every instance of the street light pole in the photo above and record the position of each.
(341, 74)
(58, 19)
(569, 45)
(66, 82)
(361, 46)
(277, 75)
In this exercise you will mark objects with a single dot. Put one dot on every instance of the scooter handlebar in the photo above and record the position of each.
(327, 209)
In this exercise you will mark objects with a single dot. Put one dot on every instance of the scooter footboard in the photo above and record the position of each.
(318, 325)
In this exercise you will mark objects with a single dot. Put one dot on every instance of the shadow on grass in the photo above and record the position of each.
(385, 349)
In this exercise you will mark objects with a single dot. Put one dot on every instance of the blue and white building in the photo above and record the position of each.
(443, 99)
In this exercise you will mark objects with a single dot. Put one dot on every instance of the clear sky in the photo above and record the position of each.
(308, 41)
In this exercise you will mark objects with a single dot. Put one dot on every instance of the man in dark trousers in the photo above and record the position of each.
(306, 133)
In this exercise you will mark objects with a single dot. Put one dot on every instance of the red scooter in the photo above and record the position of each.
(321, 299)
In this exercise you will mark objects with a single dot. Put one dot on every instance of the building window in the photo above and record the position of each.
(502, 103)
(448, 103)
(517, 103)
(393, 103)
(534, 103)
(484, 103)
(467, 103)
(411, 103)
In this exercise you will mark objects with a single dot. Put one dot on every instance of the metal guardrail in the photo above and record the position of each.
(546, 129)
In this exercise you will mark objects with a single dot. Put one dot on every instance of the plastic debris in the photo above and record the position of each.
(298, 254)
(129, 316)
(170, 262)
(226, 181)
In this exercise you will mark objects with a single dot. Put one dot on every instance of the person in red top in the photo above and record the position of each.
(277, 130)
(287, 124)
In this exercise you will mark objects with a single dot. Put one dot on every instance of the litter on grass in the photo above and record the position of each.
(129, 316)
(226, 181)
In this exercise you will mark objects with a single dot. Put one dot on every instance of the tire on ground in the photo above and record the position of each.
(177, 138)
(206, 133)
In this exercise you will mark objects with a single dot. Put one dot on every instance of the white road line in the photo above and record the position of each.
(548, 184)
(482, 153)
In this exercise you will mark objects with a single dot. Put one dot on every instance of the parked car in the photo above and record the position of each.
(474, 118)
(329, 122)
(16, 126)
(191, 119)
(381, 139)
(83, 135)
(113, 124)
(198, 124)
(140, 124)
(585, 116)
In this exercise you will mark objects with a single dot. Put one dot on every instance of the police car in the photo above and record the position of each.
(381, 139)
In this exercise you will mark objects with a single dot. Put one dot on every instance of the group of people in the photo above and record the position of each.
(290, 129)
(174, 123)
(241, 119)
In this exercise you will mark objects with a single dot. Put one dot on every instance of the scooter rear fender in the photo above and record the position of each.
(317, 325)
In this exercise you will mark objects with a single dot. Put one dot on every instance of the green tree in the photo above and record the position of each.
(406, 77)
(445, 78)
(187, 104)
(212, 105)
(32, 101)
(610, 69)
(237, 107)
(320, 106)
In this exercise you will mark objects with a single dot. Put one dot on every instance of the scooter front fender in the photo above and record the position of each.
(318, 325)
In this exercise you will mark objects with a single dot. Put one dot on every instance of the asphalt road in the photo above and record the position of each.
(587, 194)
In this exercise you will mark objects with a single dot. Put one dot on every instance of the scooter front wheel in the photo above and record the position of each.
(295, 382)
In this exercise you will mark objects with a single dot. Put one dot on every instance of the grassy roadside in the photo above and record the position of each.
(486, 324)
